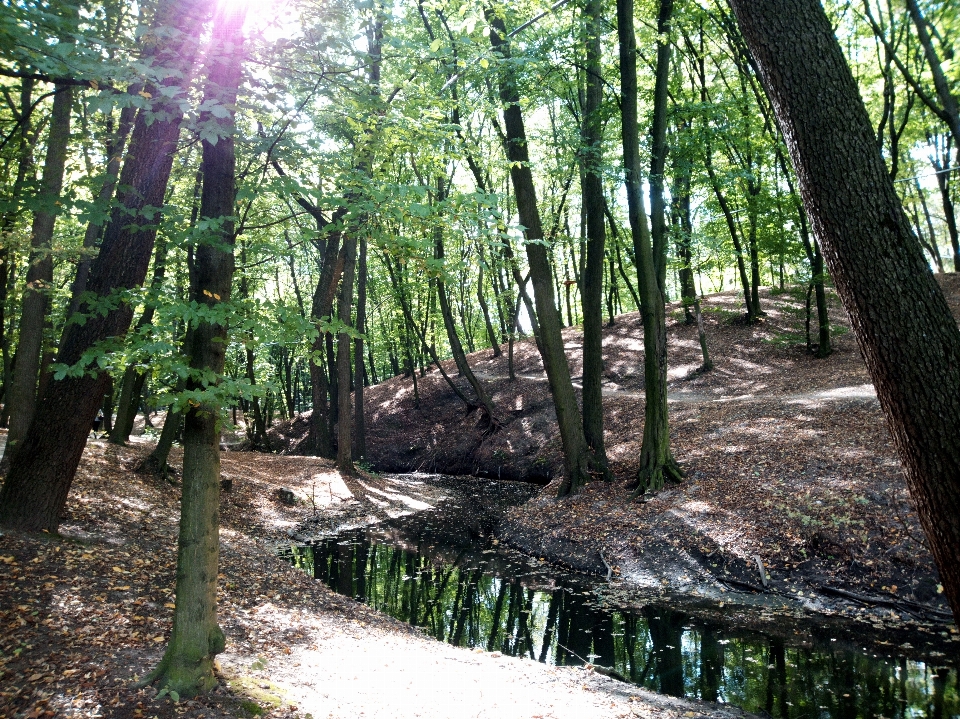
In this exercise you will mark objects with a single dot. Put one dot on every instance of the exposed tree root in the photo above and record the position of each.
(652, 478)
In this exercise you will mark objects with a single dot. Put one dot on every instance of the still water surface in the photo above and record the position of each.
(464, 589)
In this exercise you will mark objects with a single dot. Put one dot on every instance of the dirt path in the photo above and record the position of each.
(861, 391)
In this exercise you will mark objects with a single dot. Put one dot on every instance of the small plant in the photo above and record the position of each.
(174, 696)
(364, 466)
(251, 707)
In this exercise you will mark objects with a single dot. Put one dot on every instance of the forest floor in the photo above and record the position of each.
(789, 462)
(86, 613)
(790, 466)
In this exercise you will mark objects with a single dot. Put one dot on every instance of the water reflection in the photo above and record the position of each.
(467, 595)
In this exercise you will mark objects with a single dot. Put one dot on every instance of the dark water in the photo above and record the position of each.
(446, 577)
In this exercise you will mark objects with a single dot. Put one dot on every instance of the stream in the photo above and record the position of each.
(442, 570)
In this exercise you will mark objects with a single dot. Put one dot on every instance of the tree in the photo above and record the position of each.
(39, 479)
(579, 460)
(908, 337)
(187, 665)
(657, 464)
(591, 281)
(22, 392)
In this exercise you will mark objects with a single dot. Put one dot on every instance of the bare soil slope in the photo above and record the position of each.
(788, 456)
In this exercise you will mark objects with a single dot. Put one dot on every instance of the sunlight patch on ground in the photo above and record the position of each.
(681, 371)
(393, 497)
(334, 492)
(746, 364)
(699, 507)
(381, 503)
(630, 344)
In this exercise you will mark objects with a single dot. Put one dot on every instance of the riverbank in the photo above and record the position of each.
(794, 493)
(86, 613)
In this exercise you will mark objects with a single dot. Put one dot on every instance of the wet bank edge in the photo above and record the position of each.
(659, 574)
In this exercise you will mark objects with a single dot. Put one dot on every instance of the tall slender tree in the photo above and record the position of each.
(580, 464)
(187, 665)
(657, 463)
(591, 281)
(22, 393)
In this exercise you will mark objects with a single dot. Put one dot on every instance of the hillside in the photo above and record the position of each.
(788, 459)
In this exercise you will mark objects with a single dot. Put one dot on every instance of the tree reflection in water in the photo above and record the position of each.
(479, 596)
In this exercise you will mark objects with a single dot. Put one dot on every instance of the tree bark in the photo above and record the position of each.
(24, 160)
(187, 665)
(656, 458)
(22, 392)
(905, 330)
(579, 462)
(359, 380)
(344, 366)
(591, 281)
(39, 479)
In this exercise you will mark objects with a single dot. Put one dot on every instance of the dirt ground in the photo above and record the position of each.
(789, 462)
(86, 613)
(791, 472)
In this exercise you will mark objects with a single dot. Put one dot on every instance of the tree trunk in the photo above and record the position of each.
(491, 334)
(681, 214)
(321, 432)
(24, 160)
(22, 392)
(656, 459)
(933, 247)
(114, 152)
(359, 379)
(39, 479)
(908, 337)
(658, 146)
(579, 463)
(344, 366)
(591, 280)
(187, 665)
(946, 198)
(456, 349)
(133, 378)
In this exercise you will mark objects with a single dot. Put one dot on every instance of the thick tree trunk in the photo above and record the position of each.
(905, 330)
(22, 391)
(579, 462)
(321, 432)
(656, 459)
(187, 665)
(591, 281)
(39, 479)
(114, 152)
